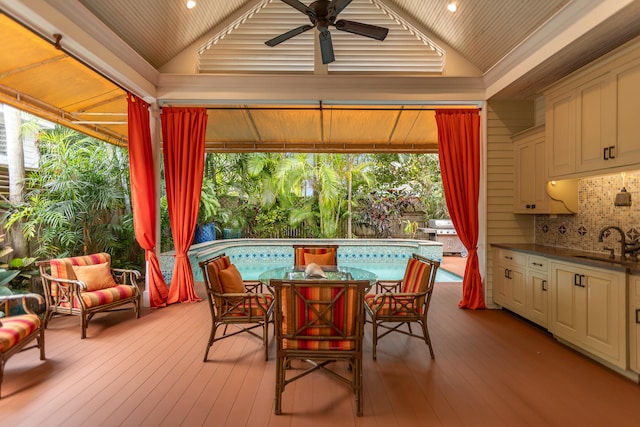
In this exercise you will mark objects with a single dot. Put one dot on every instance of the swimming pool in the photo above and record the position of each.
(387, 258)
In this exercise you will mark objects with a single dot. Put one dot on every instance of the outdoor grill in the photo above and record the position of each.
(443, 231)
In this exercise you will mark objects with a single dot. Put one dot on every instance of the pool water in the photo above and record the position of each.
(384, 271)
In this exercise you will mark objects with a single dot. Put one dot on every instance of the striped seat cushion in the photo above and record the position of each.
(302, 320)
(14, 329)
(104, 296)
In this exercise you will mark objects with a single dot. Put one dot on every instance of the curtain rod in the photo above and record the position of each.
(342, 108)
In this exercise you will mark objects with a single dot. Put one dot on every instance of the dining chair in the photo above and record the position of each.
(326, 255)
(395, 304)
(321, 323)
(235, 302)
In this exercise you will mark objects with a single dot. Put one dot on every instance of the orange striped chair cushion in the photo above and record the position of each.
(416, 276)
(303, 322)
(213, 271)
(15, 329)
(63, 267)
(300, 261)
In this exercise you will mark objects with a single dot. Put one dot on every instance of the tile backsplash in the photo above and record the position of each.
(596, 210)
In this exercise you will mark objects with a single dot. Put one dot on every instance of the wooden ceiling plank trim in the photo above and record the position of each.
(393, 128)
(252, 123)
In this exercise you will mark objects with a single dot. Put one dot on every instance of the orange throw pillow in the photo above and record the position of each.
(320, 259)
(95, 276)
(231, 280)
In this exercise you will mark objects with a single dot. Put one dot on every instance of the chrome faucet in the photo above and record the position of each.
(625, 247)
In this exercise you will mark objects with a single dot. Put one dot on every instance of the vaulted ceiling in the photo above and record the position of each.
(376, 96)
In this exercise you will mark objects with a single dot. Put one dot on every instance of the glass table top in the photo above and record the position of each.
(331, 272)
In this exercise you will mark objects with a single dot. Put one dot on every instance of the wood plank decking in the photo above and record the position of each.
(491, 368)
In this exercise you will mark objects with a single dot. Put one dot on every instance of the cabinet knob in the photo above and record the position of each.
(533, 206)
(638, 315)
(528, 206)
(605, 153)
(544, 288)
(611, 152)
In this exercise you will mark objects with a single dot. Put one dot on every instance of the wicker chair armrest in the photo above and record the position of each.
(380, 299)
(75, 284)
(6, 301)
(383, 286)
(122, 274)
(253, 286)
(260, 298)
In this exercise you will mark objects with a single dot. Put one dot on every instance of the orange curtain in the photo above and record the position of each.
(143, 195)
(183, 132)
(459, 152)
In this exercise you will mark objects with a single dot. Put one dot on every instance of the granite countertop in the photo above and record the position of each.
(592, 259)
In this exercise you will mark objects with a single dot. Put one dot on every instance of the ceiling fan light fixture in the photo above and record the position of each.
(452, 7)
(191, 4)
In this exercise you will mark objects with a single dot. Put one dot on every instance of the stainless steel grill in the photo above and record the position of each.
(443, 231)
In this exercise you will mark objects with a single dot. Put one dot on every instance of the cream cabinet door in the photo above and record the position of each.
(560, 134)
(634, 323)
(588, 309)
(596, 125)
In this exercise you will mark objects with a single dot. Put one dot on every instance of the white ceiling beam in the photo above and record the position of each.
(572, 22)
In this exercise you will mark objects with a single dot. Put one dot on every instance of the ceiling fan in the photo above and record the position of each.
(322, 14)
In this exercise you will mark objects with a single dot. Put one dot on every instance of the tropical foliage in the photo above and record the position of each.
(75, 201)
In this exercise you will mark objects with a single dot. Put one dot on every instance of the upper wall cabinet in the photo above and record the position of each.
(590, 119)
(533, 195)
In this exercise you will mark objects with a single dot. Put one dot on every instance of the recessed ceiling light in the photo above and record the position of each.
(452, 7)
(191, 4)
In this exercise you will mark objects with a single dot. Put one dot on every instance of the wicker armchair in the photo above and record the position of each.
(247, 307)
(395, 304)
(18, 331)
(326, 255)
(86, 285)
(319, 322)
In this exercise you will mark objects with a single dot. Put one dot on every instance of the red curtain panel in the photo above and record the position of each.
(459, 152)
(183, 132)
(143, 195)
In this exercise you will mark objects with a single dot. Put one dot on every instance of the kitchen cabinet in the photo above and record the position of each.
(537, 289)
(634, 323)
(521, 284)
(588, 309)
(532, 192)
(590, 121)
(509, 274)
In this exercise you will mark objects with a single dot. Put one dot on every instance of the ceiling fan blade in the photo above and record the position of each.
(335, 7)
(373, 31)
(289, 34)
(326, 47)
(296, 4)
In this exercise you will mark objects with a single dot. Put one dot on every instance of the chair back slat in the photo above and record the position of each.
(319, 315)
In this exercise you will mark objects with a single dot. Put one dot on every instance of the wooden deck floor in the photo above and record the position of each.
(491, 368)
